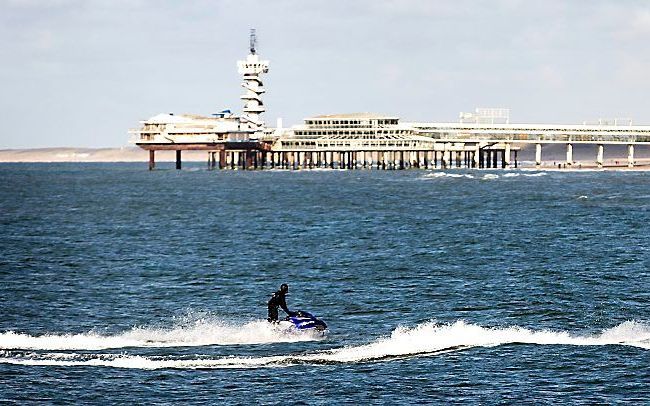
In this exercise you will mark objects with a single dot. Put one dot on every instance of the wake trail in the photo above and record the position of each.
(427, 339)
(200, 332)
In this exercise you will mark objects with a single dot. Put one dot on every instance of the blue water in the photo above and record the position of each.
(122, 285)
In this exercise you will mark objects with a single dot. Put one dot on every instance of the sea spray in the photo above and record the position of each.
(200, 332)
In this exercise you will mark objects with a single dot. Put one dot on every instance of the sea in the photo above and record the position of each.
(122, 285)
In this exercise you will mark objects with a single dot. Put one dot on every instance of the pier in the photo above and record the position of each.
(367, 140)
(226, 155)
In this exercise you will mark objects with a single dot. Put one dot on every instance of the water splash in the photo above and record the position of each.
(199, 332)
(426, 339)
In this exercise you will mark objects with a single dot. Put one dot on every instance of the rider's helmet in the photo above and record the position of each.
(284, 288)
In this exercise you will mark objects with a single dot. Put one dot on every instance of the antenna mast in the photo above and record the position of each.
(253, 41)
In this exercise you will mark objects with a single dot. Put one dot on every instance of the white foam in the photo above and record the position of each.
(199, 332)
(423, 340)
(487, 176)
(448, 175)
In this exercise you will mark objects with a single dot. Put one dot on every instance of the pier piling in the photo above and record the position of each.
(178, 159)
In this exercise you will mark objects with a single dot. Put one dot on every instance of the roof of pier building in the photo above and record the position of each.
(353, 115)
(355, 119)
(171, 118)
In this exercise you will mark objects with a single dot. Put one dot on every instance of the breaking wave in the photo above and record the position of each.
(199, 332)
(427, 339)
(486, 176)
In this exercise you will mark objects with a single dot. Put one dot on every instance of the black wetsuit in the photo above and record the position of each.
(277, 300)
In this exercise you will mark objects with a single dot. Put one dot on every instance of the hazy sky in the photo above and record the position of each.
(82, 72)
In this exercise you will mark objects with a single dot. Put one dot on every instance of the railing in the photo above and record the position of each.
(533, 137)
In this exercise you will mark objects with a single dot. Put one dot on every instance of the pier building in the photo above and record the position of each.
(230, 141)
(484, 139)
(367, 140)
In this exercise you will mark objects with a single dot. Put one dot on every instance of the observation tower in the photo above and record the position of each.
(251, 69)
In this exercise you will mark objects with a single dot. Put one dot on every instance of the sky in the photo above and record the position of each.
(81, 73)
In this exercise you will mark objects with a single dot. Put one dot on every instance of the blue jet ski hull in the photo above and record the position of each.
(306, 321)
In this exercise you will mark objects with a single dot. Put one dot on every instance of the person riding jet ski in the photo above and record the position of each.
(279, 300)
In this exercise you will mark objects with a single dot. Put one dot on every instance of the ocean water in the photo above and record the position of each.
(122, 285)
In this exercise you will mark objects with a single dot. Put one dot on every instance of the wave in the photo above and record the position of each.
(487, 176)
(200, 332)
(427, 339)
(448, 175)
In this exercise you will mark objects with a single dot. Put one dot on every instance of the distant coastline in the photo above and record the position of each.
(124, 154)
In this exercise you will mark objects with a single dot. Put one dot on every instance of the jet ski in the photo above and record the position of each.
(304, 321)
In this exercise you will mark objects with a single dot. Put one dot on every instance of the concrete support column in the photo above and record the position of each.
(222, 159)
(538, 155)
(630, 156)
(178, 159)
(476, 157)
(516, 162)
(210, 157)
(600, 155)
(152, 159)
(569, 154)
(495, 159)
(248, 160)
(507, 156)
